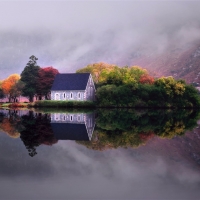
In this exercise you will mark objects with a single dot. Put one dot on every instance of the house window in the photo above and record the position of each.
(57, 116)
(79, 95)
(64, 95)
(71, 95)
(64, 118)
(79, 118)
(57, 96)
(71, 118)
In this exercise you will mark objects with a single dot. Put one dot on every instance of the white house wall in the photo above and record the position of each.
(90, 89)
(68, 95)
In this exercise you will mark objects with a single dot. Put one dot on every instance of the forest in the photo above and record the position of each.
(134, 87)
(115, 86)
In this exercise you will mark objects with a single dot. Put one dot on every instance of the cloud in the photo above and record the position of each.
(71, 34)
(68, 170)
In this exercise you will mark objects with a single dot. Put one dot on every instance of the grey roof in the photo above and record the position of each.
(67, 131)
(75, 81)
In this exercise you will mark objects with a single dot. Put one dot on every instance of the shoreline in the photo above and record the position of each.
(82, 104)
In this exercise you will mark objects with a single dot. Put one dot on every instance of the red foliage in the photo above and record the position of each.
(146, 136)
(45, 80)
(146, 79)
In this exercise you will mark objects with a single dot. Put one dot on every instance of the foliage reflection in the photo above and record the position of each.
(114, 128)
(132, 128)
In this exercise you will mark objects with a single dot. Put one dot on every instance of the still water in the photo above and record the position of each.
(101, 154)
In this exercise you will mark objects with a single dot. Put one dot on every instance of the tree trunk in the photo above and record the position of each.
(31, 99)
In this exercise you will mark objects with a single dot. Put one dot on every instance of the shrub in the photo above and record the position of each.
(57, 104)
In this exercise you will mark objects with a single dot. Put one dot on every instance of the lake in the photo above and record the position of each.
(102, 154)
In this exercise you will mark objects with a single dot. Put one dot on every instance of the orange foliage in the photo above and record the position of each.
(9, 83)
(9, 128)
(146, 79)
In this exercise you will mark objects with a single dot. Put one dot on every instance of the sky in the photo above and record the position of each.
(69, 35)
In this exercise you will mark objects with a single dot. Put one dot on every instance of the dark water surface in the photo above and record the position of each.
(106, 154)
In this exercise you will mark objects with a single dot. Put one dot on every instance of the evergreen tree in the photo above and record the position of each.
(30, 76)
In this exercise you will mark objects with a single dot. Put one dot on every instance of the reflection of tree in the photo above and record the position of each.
(127, 128)
(10, 123)
(37, 130)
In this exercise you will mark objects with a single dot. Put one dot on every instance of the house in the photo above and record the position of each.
(73, 126)
(75, 86)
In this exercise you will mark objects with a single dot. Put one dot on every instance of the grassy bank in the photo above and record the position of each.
(89, 104)
(61, 104)
(15, 105)
(51, 104)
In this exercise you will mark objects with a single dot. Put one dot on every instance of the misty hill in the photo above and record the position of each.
(179, 62)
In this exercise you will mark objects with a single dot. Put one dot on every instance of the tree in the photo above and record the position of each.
(16, 90)
(30, 77)
(10, 87)
(104, 73)
(171, 86)
(137, 72)
(45, 80)
(1, 91)
(96, 70)
(146, 79)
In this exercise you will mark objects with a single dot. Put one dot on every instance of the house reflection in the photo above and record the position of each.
(73, 126)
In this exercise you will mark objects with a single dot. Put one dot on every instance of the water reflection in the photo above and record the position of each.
(114, 128)
(160, 169)
(132, 128)
(73, 126)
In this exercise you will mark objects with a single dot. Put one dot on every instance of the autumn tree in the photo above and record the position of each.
(146, 79)
(29, 77)
(171, 86)
(96, 70)
(122, 75)
(10, 87)
(104, 73)
(45, 80)
(136, 72)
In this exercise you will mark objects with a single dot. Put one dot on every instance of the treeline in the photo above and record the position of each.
(34, 81)
(116, 86)
(134, 87)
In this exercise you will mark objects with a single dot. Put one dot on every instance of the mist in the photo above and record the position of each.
(69, 35)
(68, 170)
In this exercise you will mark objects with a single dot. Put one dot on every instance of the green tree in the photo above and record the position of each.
(16, 90)
(30, 76)
(2, 95)
(171, 86)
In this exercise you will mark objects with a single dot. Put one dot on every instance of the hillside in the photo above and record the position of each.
(181, 63)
